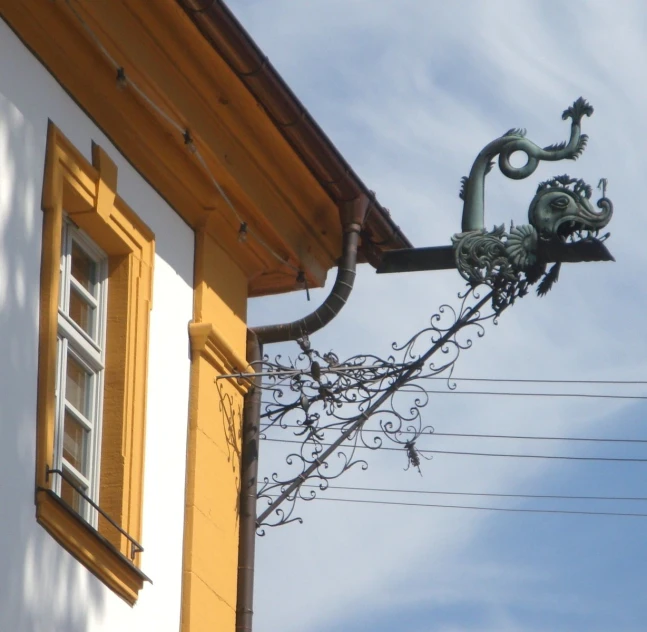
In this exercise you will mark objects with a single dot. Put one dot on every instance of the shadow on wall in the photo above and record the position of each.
(41, 586)
(232, 426)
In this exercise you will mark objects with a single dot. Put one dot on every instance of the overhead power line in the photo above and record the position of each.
(489, 454)
(477, 508)
(418, 390)
(481, 494)
(533, 381)
(513, 394)
(493, 436)
(341, 369)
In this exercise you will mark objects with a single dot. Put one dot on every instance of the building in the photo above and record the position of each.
(155, 173)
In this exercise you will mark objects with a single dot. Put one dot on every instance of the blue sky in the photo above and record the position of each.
(410, 91)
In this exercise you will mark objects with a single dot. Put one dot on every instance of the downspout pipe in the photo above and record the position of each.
(248, 487)
(352, 214)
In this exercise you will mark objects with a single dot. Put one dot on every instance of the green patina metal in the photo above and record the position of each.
(563, 224)
(514, 140)
(562, 220)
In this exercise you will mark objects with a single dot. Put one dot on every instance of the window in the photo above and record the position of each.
(82, 309)
(95, 300)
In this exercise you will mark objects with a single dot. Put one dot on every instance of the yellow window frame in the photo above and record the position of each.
(87, 193)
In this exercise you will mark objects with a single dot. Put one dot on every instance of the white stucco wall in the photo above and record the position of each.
(41, 586)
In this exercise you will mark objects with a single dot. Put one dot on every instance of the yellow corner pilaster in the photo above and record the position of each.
(218, 344)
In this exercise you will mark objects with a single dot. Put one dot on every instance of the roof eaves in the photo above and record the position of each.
(232, 42)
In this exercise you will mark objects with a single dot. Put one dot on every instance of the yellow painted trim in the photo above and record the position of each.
(218, 343)
(208, 341)
(161, 50)
(79, 539)
(87, 193)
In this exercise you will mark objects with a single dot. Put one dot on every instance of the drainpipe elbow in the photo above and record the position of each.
(352, 214)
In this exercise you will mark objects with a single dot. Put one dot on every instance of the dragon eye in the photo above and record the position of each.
(561, 202)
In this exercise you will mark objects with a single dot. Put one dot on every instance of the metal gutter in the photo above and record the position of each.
(232, 42)
(353, 215)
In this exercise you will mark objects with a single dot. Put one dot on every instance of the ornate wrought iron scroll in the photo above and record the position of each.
(332, 408)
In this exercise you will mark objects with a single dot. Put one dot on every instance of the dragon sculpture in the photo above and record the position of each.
(563, 224)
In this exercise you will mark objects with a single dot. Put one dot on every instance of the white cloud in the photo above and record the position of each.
(410, 92)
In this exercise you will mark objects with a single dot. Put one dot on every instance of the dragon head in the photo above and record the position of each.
(562, 211)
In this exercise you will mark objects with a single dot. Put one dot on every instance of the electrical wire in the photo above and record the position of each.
(92, 35)
(513, 394)
(490, 454)
(491, 436)
(477, 508)
(341, 369)
(531, 381)
(481, 494)
(269, 404)
(184, 131)
(242, 222)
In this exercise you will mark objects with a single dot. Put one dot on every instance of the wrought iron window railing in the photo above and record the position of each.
(135, 547)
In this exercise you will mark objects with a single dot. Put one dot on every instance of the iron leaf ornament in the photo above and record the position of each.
(563, 224)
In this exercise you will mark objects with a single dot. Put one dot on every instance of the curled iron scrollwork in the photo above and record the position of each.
(332, 408)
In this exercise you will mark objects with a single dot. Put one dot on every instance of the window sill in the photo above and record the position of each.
(88, 546)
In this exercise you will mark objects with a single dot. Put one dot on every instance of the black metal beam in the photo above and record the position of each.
(442, 257)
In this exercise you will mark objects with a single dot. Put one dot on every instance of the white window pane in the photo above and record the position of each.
(75, 441)
(77, 386)
(83, 307)
(81, 312)
(69, 491)
(84, 268)
(70, 496)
